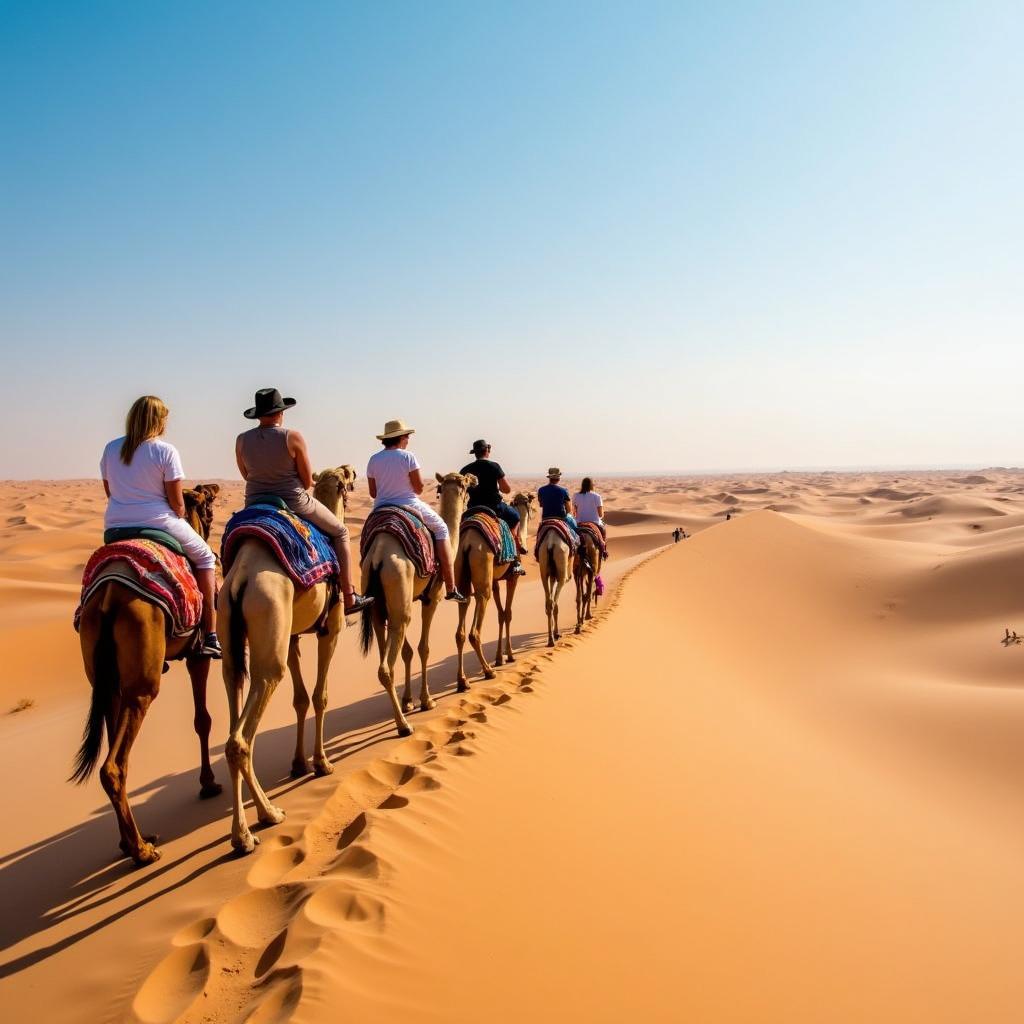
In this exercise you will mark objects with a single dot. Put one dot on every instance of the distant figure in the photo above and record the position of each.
(728, 515)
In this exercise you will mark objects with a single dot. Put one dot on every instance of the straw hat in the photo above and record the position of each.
(554, 471)
(395, 428)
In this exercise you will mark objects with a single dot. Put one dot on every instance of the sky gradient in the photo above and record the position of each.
(626, 237)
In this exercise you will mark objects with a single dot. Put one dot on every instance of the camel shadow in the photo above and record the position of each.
(84, 871)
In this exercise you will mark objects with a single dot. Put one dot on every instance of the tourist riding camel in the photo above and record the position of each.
(555, 502)
(142, 477)
(275, 462)
(491, 484)
(588, 507)
(394, 478)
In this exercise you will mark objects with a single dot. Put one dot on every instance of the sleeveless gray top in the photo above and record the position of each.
(271, 469)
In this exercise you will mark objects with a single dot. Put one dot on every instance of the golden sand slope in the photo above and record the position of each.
(777, 782)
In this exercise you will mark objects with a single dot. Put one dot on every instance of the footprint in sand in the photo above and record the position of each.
(277, 997)
(272, 865)
(340, 906)
(175, 984)
(252, 919)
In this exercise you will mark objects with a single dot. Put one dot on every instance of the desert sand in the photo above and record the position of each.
(777, 779)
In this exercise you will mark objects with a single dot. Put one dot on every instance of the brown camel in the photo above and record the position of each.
(555, 567)
(124, 647)
(478, 576)
(523, 503)
(586, 568)
(260, 604)
(389, 575)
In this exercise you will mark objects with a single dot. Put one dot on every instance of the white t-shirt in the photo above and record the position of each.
(391, 467)
(137, 494)
(587, 505)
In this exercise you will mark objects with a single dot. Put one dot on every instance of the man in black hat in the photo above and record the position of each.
(491, 484)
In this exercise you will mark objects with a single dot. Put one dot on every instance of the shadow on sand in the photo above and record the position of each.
(82, 872)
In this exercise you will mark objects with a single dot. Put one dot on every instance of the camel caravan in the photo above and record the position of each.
(149, 593)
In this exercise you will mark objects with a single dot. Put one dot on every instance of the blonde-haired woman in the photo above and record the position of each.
(142, 475)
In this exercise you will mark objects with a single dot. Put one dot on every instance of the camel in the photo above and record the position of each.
(586, 568)
(478, 576)
(555, 567)
(260, 603)
(389, 575)
(125, 648)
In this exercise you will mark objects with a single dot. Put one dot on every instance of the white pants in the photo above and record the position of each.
(197, 551)
(435, 523)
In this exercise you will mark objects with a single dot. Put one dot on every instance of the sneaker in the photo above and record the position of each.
(211, 648)
(359, 602)
(517, 568)
(457, 597)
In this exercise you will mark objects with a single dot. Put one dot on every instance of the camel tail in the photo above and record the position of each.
(105, 685)
(235, 632)
(375, 590)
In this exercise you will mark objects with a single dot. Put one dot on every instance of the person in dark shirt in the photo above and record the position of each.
(555, 502)
(491, 484)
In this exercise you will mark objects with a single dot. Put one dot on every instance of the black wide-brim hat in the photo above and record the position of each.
(268, 401)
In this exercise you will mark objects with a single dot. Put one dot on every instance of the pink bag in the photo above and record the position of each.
(598, 586)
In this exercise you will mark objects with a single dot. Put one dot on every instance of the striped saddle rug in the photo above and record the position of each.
(408, 529)
(494, 531)
(305, 552)
(153, 572)
(594, 532)
(561, 527)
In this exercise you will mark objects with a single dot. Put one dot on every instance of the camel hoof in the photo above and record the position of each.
(489, 673)
(579, 629)
(208, 790)
(147, 854)
(461, 686)
(428, 705)
(146, 841)
(245, 843)
(405, 730)
(510, 657)
(300, 769)
(323, 768)
(407, 707)
(551, 643)
(271, 816)
(498, 661)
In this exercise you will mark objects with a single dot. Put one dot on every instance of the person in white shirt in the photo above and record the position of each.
(588, 507)
(142, 477)
(394, 478)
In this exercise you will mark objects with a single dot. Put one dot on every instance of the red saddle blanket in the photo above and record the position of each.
(408, 529)
(155, 573)
(561, 527)
(594, 532)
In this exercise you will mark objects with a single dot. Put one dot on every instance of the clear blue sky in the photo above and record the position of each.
(632, 236)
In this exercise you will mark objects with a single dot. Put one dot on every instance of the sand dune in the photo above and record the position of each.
(777, 780)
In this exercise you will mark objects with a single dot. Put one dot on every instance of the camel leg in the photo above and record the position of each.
(300, 702)
(324, 654)
(114, 773)
(199, 674)
(581, 587)
(511, 583)
(460, 644)
(499, 657)
(407, 664)
(426, 701)
(475, 630)
(399, 605)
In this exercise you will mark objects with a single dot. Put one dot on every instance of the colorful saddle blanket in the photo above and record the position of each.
(305, 552)
(595, 534)
(493, 530)
(560, 526)
(408, 529)
(156, 573)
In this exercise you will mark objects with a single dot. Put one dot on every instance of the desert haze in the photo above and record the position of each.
(776, 779)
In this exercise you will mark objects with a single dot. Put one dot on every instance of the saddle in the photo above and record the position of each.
(118, 533)
(156, 573)
(495, 532)
(408, 529)
(560, 526)
(595, 534)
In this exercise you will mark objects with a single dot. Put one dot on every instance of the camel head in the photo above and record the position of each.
(453, 487)
(525, 503)
(199, 501)
(334, 485)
